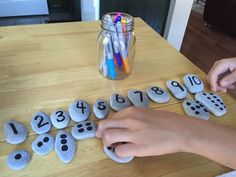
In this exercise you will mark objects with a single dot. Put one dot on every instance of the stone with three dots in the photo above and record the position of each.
(193, 83)
(43, 144)
(84, 130)
(177, 89)
(18, 159)
(138, 98)
(119, 102)
(65, 146)
(101, 108)
(196, 109)
(213, 102)
(158, 94)
(14, 132)
(79, 110)
(60, 119)
(41, 123)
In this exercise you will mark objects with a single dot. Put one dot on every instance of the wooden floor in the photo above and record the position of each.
(203, 45)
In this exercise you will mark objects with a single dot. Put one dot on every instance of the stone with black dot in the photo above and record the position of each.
(18, 159)
(43, 144)
(195, 109)
(65, 146)
(84, 130)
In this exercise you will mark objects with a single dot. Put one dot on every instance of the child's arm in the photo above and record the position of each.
(151, 132)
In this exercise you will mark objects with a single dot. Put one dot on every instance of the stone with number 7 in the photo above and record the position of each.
(138, 98)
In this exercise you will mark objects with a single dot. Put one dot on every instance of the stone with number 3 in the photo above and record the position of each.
(101, 108)
(60, 118)
(118, 102)
(79, 110)
(41, 123)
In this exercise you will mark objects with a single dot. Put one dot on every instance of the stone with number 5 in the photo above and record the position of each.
(60, 118)
(41, 123)
(101, 108)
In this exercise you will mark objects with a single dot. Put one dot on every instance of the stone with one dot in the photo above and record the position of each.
(18, 159)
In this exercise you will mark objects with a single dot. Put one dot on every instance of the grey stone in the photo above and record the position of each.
(118, 102)
(193, 83)
(158, 94)
(101, 109)
(65, 146)
(138, 98)
(60, 118)
(213, 102)
(14, 132)
(84, 130)
(79, 110)
(18, 159)
(110, 152)
(196, 109)
(177, 89)
(43, 144)
(41, 123)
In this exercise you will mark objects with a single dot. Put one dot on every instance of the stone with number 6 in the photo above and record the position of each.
(118, 102)
(79, 110)
(41, 123)
(101, 108)
(60, 118)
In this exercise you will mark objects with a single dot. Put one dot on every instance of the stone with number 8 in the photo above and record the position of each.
(118, 102)
(101, 108)
(158, 94)
(60, 118)
(138, 98)
(177, 89)
(79, 110)
(41, 123)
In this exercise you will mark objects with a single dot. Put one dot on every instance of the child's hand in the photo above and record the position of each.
(146, 132)
(215, 76)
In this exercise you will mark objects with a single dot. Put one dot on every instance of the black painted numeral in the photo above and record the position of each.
(13, 128)
(176, 84)
(194, 80)
(119, 99)
(82, 107)
(157, 90)
(140, 94)
(40, 123)
(101, 106)
(60, 115)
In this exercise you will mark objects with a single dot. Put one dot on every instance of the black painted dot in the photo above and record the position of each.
(218, 100)
(205, 110)
(214, 96)
(89, 128)
(63, 136)
(212, 101)
(216, 105)
(222, 103)
(198, 107)
(63, 141)
(109, 148)
(64, 148)
(211, 94)
(81, 130)
(18, 156)
(192, 108)
(46, 139)
(208, 98)
(39, 144)
(225, 107)
(201, 105)
(188, 103)
(197, 102)
(221, 109)
(204, 94)
(79, 125)
(88, 124)
(197, 112)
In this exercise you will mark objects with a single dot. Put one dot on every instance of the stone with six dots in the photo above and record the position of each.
(18, 159)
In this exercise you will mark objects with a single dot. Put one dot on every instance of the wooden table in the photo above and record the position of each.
(44, 67)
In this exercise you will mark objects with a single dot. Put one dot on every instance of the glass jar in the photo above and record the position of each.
(116, 45)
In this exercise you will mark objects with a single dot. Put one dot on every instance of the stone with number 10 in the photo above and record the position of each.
(193, 83)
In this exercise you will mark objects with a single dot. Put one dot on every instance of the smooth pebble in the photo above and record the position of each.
(119, 102)
(158, 94)
(79, 110)
(18, 159)
(84, 130)
(41, 123)
(177, 89)
(43, 144)
(138, 98)
(101, 109)
(193, 83)
(60, 119)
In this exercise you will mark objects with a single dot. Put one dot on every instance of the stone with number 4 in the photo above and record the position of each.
(118, 102)
(60, 118)
(14, 132)
(158, 94)
(41, 123)
(177, 89)
(101, 108)
(193, 83)
(79, 110)
(138, 98)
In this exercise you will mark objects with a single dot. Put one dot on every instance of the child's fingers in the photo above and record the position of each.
(116, 135)
(228, 80)
(126, 150)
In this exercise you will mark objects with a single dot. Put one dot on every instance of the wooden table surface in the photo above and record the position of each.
(44, 67)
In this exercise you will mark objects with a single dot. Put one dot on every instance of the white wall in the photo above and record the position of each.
(177, 22)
